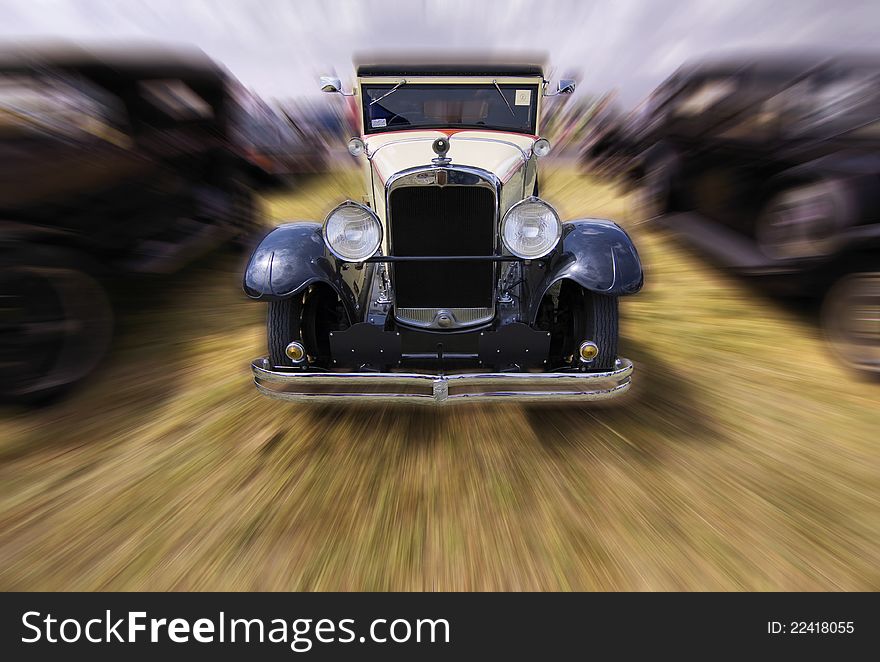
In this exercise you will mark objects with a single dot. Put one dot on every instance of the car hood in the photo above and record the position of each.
(499, 152)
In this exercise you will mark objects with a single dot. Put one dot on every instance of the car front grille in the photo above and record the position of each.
(442, 221)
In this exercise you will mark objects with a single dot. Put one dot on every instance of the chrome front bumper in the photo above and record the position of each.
(322, 387)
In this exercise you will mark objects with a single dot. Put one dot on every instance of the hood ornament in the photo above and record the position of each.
(440, 147)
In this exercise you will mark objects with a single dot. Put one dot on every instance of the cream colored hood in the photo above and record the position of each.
(498, 152)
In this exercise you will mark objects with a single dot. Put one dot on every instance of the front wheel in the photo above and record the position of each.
(283, 327)
(308, 318)
(584, 316)
(602, 327)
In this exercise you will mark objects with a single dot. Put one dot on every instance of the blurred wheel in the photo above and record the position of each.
(851, 320)
(805, 221)
(56, 324)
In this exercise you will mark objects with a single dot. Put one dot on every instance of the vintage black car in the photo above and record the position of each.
(456, 282)
(771, 165)
(113, 162)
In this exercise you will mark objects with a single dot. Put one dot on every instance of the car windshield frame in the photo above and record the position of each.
(379, 102)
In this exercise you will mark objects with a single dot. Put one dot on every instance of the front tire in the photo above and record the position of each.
(602, 328)
(584, 315)
(283, 327)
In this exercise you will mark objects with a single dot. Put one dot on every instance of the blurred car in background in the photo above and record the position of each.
(111, 163)
(771, 166)
(455, 278)
(604, 149)
(303, 151)
(276, 141)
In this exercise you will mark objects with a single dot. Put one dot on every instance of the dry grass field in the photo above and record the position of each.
(744, 458)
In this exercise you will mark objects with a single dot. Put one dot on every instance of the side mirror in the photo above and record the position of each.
(566, 86)
(330, 84)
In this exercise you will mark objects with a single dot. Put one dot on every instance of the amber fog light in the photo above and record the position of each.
(295, 352)
(588, 351)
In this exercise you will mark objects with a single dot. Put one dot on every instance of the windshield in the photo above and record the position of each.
(505, 107)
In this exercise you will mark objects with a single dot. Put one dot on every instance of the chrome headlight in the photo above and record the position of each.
(531, 229)
(352, 232)
(541, 147)
(356, 147)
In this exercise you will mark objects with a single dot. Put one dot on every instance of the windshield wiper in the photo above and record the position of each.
(391, 91)
(506, 102)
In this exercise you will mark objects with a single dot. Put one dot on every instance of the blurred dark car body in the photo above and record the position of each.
(278, 143)
(772, 167)
(304, 150)
(111, 164)
(604, 152)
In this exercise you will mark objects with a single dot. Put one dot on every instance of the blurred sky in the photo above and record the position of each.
(280, 47)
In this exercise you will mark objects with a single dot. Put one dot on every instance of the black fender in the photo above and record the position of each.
(289, 259)
(596, 254)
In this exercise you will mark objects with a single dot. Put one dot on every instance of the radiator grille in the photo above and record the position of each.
(442, 220)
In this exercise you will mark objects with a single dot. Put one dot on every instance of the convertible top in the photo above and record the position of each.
(450, 69)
